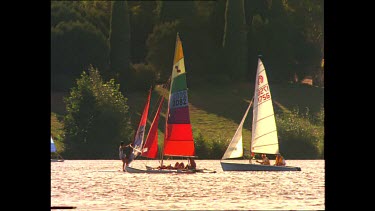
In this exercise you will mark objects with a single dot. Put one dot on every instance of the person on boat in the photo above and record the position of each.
(191, 164)
(252, 157)
(162, 167)
(279, 161)
(181, 165)
(265, 160)
(176, 165)
(169, 166)
(128, 151)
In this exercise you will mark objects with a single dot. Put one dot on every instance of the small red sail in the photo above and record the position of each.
(139, 135)
(150, 149)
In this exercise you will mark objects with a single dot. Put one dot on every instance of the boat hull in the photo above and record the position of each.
(255, 167)
(158, 171)
(57, 160)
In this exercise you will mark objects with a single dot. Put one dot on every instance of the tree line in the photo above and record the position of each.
(102, 50)
(133, 41)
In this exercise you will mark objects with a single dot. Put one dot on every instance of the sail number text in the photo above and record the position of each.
(179, 99)
(263, 93)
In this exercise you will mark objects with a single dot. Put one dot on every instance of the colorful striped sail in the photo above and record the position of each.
(178, 139)
(139, 135)
(150, 149)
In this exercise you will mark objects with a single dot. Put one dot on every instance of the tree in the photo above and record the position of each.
(78, 38)
(142, 21)
(160, 45)
(97, 118)
(234, 41)
(74, 46)
(119, 41)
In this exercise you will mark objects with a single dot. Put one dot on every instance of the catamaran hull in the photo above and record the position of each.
(255, 167)
(157, 171)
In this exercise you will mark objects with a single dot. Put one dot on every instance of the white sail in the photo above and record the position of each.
(235, 148)
(264, 134)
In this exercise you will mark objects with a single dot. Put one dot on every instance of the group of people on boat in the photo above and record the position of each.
(126, 150)
(279, 161)
(191, 165)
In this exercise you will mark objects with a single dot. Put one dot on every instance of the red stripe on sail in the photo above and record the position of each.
(179, 140)
(150, 148)
(179, 116)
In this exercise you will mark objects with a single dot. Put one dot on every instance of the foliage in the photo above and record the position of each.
(234, 41)
(142, 20)
(145, 76)
(57, 132)
(74, 46)
(298, 136)
(97, 118)
(119, 39)
(160, 46)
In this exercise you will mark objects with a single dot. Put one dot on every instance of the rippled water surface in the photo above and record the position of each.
(101, 185)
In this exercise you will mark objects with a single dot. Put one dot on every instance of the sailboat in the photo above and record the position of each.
(264, 137)
(178, 135)
(139, 135)
(55, 157)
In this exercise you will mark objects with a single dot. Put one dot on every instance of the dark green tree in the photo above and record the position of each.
(74, 46)
(79, 37)
(97, 118)
(142, 21)
(255, 10)
(234, 40)
(119, 41)
(160, 45)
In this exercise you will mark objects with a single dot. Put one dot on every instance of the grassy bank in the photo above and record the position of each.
(216, 111)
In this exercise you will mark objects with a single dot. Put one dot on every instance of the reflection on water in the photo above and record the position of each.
(101, 185)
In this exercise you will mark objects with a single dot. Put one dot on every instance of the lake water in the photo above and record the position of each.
(101, 185)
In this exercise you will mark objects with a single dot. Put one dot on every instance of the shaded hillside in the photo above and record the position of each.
(216, 111)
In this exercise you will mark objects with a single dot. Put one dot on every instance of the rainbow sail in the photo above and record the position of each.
(178, 139)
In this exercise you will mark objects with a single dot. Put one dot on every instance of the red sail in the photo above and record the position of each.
(139, 135)
(150, 149)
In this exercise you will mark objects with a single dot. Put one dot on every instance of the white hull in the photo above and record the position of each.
(255, 167)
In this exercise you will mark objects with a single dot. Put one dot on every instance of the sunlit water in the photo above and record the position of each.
(101, 185)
